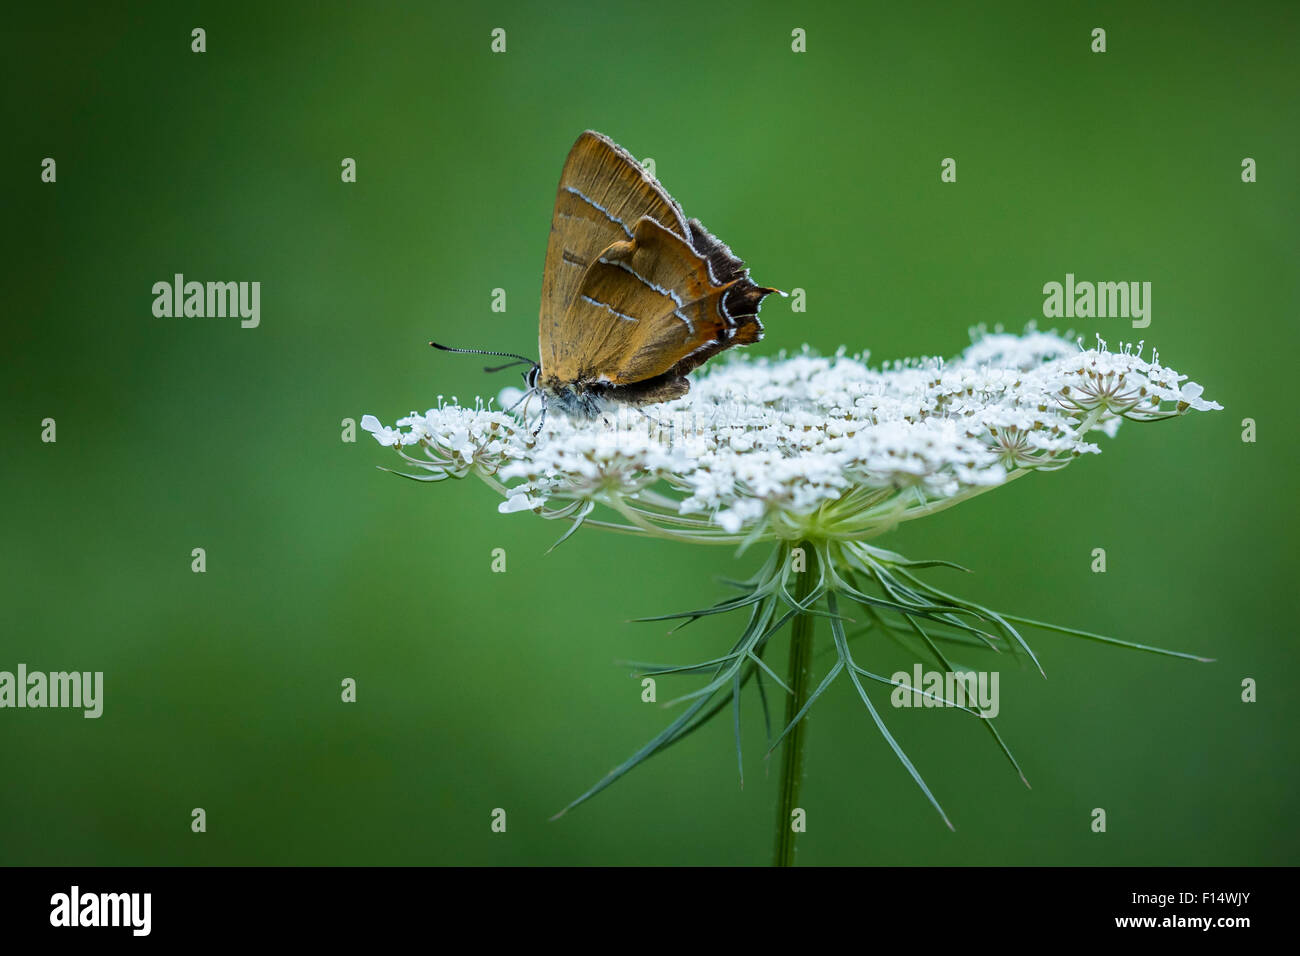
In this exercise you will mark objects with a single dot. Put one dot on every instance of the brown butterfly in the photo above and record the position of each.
(634, 295)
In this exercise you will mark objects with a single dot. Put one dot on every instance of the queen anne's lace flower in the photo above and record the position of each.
(817, 454)
(456, 440)
(808, 445)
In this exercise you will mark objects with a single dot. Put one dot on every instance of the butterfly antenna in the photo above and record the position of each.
(518, 358)
(499, 368)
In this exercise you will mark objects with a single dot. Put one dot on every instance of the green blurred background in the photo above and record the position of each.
(481, 690)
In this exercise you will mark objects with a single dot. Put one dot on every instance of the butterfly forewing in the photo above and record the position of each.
(603, 192)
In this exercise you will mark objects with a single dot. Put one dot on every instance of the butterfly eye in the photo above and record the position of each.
(530, 377)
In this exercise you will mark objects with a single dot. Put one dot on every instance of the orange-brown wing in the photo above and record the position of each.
(656, 304)
(603, 192)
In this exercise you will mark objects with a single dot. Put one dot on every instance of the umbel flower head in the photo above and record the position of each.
(806, 447)
(816, 453)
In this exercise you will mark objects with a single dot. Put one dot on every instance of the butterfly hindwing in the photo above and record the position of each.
(651, 305)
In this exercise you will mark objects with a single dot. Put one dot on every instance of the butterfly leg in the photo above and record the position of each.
(523, 398)
(648, 417)
(541, 420)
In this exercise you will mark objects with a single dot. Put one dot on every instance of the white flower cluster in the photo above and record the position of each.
(808, 445)
(456, 440)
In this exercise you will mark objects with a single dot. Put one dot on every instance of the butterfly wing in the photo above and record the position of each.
(603, 193)
(656, 306)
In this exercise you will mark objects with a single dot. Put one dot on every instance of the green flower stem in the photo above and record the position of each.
(800, 678)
